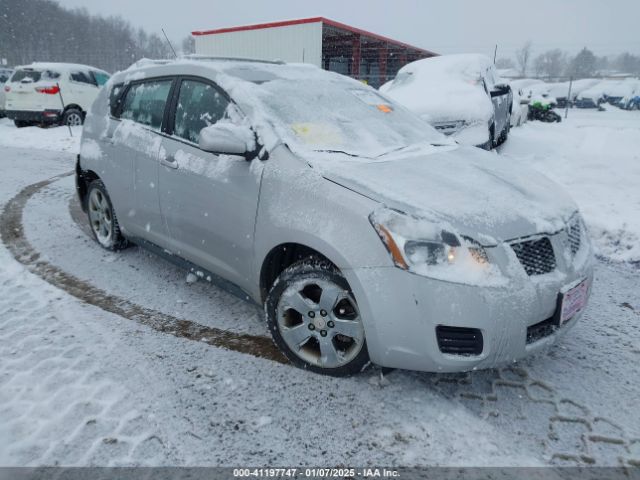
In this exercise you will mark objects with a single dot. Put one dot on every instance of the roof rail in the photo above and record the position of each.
(230, 59)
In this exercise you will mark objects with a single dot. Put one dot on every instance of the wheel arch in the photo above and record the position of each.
(281, 257)
(83, 180)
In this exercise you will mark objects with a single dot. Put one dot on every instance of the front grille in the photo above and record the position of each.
(542, 329)
(574, 236)
(536, 256)
(459, 341)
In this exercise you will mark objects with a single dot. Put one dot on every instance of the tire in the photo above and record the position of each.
(311, 338)
(72, 117)
(21, 123)
(102, 218)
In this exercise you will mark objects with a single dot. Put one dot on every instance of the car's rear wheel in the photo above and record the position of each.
(102, 218)
(72, 118)
(22, 123)
(314, 319)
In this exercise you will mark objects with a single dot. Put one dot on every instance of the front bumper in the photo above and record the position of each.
(40, 116)
(401, 312)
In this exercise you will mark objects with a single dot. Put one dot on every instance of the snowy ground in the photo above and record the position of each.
(82, 385)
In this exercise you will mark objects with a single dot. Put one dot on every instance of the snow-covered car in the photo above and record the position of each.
(52, 93)
(611, 91)
(519, 107)
(459, 95)
(364, 233)
(616, 91)
(5, 74)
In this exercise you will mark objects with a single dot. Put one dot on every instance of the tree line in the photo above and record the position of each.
(42, 30)
(557, 63)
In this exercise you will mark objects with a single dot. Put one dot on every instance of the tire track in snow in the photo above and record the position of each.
(13, 237)
(569, 432)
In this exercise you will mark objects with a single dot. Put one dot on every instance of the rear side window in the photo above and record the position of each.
(144, 102)
(100, 77)
(115, 98)
(199, 105)
(83, 77)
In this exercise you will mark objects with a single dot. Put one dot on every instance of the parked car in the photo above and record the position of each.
(457, 94)
(364, 233)
(5, 73)
(592, 97)
(632, 102)
(52, 93)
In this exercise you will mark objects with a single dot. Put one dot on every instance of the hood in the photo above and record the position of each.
(480, 194)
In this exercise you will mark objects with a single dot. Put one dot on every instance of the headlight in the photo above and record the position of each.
(428, 249)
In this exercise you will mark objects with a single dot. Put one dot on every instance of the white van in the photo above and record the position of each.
(52, 93)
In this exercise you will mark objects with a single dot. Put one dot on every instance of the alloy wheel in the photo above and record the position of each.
(101, 217)
(320, 322)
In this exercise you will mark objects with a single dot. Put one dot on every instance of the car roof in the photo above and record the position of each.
(244, 69)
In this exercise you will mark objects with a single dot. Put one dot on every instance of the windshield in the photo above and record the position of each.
(322, 114)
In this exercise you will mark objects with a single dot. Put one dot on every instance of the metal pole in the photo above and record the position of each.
(62, 102)
(566, 109)
(495, 52)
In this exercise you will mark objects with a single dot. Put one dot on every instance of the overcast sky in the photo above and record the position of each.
(444, 26)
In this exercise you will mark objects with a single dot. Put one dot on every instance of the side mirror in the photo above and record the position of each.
(502, 88)
(227, 138)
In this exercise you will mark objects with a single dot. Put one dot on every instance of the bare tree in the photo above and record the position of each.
(551, 63)
(523, 55)
(188, 45)
(505, 63)
(42, 30)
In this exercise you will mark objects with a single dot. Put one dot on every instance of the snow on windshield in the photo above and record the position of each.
(314, 110)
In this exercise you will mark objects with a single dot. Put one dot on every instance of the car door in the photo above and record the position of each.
(82, 89)
(136, 140)
(208, 201)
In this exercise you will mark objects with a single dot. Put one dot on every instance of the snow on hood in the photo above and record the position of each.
(481, 194)
(443, 88)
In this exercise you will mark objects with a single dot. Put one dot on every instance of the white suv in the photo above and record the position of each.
(52, 93)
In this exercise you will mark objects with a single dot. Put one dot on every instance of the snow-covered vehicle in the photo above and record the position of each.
(615, 92)
(610, 91)
(459, 95)
(364, 233)
(5, 74)
(52, 93)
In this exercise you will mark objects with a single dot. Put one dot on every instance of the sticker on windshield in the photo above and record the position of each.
(373, 99)
(318, 133)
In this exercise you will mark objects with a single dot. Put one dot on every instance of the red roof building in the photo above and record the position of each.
(328, 44)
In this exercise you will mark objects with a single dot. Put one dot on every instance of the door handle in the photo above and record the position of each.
(169, 161)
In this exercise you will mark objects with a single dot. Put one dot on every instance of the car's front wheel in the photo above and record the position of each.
(102, 218)
(314, 319)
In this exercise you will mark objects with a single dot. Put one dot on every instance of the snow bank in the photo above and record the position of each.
(596, 157)
(56, 138)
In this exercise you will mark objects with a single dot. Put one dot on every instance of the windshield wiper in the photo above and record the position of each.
(395, 150)
(339, 151)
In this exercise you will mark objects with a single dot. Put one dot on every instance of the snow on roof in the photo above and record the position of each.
(449, 65)
(57, 66)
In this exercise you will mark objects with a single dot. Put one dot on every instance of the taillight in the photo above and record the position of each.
(48, 90)
(7, 88)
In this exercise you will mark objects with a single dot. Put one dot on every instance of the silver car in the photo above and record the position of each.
(366, 235)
